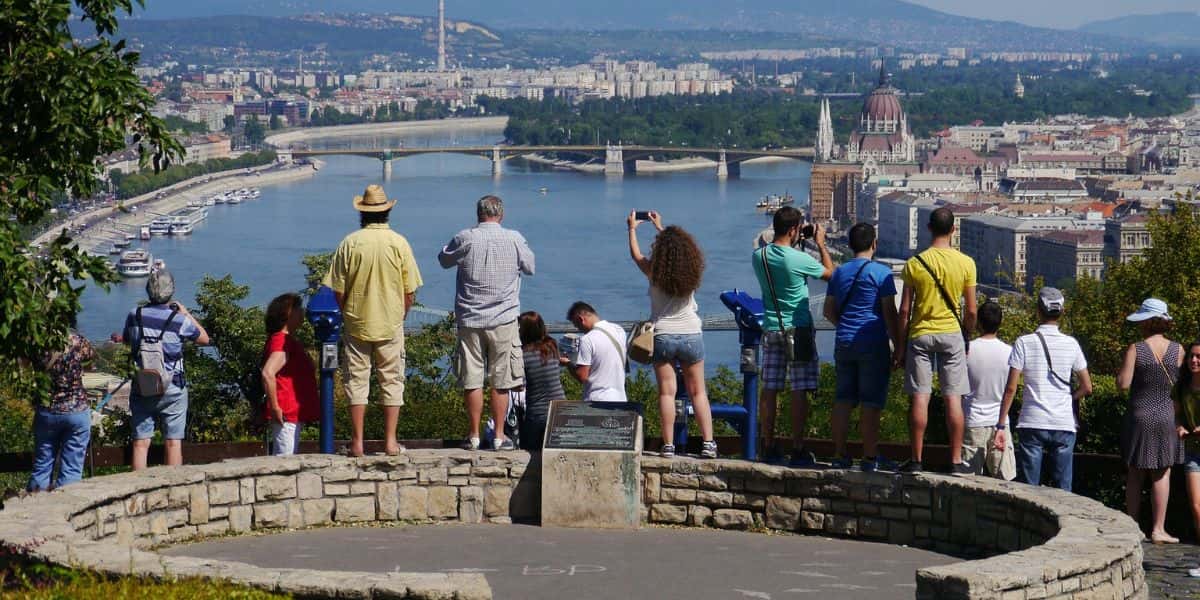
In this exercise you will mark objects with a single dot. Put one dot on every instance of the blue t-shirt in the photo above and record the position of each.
(154, 318)
(860, 324)
(790, 270)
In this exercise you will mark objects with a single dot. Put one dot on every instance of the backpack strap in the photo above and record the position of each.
(850, 290)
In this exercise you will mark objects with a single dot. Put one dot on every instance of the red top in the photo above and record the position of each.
(295, 383)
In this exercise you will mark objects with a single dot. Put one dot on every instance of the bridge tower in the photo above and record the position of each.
(722, 166)
(497, 165)
(386, 159)
(614, 160)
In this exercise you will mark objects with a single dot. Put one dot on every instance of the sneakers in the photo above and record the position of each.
(505, 445)
(708, 449)
(470, 444)
(961, 468)
(802, 458)
(841, 462)
(1194, 572)
(667, 451)
(877, 463)
(911, 466)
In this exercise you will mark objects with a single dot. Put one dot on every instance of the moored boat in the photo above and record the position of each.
(135, 263)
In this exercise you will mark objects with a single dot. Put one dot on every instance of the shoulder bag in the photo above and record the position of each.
(799, 344)
(641, 342)
(1050, 365)
(949, 303)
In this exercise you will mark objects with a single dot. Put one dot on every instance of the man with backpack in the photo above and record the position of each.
(1046, 360)
(861, 301)
(155, 333)
(934, 282)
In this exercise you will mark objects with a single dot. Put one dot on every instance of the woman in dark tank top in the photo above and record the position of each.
(543, 384)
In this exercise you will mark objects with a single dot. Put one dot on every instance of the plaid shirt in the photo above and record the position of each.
(490, 260)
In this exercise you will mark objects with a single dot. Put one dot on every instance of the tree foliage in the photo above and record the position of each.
(136, 184)
(66, 102)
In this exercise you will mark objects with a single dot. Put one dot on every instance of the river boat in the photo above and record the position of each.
(217, 198)
(122, 243)
(135, 263)
(181, 228)
(144, 232)
(160, 226)
(195, 203)
(114, 249)
(129, 237)
(543, 191)
(233, 199)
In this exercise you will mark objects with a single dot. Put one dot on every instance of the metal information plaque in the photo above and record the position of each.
(591, 426)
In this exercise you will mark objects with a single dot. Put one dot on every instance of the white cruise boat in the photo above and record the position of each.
(144, 232)
(233, 199)
(135, 263)
(160, 226)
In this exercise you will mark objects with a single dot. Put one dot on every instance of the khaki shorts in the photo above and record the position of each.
(494, 352)
(978, 452)
(387, 357)
(947, 352)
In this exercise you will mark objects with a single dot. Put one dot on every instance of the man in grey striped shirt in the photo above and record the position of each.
(1046, 359)
(490, 261)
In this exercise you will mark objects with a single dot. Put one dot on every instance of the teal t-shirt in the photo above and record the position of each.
(790, 270)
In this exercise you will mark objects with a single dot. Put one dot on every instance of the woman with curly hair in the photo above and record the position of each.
(674, 268)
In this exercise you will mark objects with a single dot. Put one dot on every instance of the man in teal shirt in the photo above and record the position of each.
(785, 298)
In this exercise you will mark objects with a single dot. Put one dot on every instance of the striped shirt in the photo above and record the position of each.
(1047, 403)
(490, 261)
(154, 319)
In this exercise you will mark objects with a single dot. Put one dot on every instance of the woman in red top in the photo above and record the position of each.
(289, 377)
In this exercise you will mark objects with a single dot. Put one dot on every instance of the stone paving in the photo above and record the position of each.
(534, 563)
(1166, 571)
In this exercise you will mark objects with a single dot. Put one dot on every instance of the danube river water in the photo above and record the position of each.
(576, 229)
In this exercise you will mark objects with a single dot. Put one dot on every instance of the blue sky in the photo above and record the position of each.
(1064, 14)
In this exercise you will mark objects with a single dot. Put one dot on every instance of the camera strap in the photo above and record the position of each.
(771, 287)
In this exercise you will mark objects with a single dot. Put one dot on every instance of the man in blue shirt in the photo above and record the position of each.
(172, 323)
(861, 301)
(783, 273)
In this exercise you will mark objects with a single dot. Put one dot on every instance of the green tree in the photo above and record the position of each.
(254, 131)
(230, 123)
(276, 122)
(66, 102)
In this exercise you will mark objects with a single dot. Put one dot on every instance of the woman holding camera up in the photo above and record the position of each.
(674, 268)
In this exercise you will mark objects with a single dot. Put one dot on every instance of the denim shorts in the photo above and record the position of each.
(170, 409)
(1191, 464)
(687, 348)
(862, 377)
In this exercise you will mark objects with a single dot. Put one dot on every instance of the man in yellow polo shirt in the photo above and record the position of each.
(939, 282)
(375, 279)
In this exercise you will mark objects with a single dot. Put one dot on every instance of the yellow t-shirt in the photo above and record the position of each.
(929, 314)
(373, 268)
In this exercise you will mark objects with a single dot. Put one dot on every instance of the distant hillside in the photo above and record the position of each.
(1167, 29)
(886, 22)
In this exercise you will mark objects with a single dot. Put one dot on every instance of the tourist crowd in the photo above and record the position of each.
(374, 277)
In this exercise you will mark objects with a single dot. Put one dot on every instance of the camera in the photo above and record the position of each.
(642, 215)
(809, 231)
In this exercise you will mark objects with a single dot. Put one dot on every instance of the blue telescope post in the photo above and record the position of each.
(747, 313)
(326, 318)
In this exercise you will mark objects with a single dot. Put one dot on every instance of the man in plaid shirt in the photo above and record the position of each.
(490, 261)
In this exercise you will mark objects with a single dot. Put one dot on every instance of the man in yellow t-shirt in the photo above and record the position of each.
(935, 334)
(375, 278)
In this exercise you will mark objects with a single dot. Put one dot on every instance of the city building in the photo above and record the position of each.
(1043, 189)
(1059, 258)
(1126, 237)
(199, 148)
(899, 226)
(998, 242)
(833, 192)
(882, 135)
(924, 238)
(1019, 88)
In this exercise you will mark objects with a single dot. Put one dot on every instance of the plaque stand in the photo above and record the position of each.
(591, 466)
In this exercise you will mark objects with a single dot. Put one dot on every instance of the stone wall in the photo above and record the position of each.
(108, 523)
(1032, 542)
(1026, 542)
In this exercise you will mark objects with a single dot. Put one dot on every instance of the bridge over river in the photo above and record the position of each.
(618, 159)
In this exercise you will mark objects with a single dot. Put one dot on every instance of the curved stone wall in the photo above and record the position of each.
(1030, 542)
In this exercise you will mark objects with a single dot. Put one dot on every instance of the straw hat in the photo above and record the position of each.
(374, 199)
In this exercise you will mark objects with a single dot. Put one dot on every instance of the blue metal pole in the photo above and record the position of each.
(750, 401)
(681, 414)
(326, 411)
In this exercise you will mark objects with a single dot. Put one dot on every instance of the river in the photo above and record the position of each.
(577, 230)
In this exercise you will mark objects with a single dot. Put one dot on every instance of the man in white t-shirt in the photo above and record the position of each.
(600, 362)
(987, 371)
(1045, 431)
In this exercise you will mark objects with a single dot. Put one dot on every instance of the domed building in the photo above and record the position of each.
(882, 135)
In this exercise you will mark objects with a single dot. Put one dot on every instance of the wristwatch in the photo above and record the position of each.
(1001, 426)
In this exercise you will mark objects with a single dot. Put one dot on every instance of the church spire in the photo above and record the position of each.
(884, 77)
(825, 133)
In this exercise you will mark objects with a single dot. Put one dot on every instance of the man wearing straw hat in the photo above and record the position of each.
(375, 278)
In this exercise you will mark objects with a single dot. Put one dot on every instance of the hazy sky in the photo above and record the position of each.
(1066, 14)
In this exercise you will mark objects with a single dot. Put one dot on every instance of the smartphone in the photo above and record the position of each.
(642, 215)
